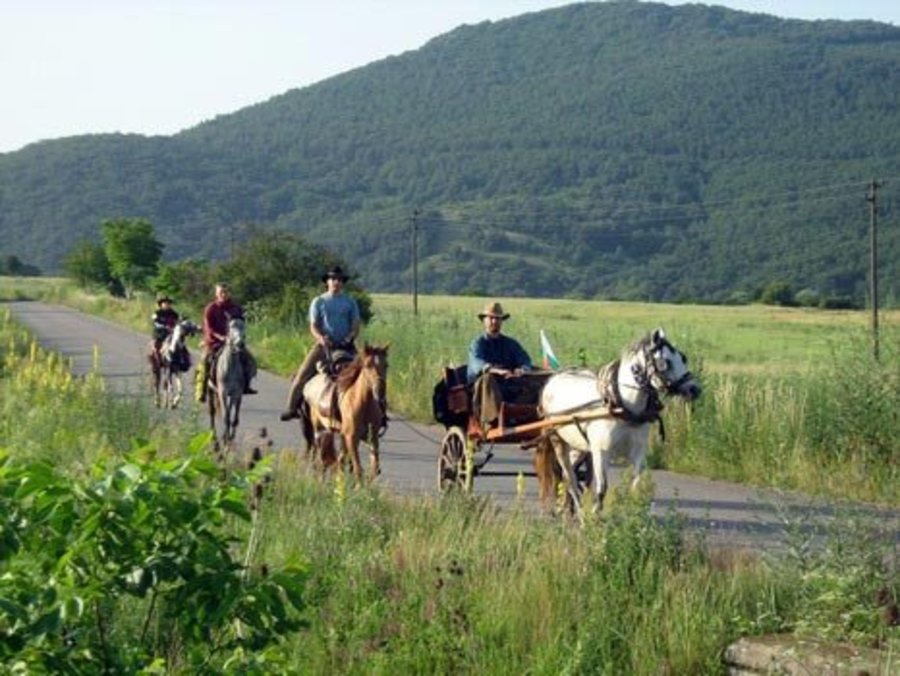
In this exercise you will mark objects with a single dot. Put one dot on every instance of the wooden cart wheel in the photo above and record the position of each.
(452, 466)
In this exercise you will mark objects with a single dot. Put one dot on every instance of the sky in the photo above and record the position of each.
(152, 67)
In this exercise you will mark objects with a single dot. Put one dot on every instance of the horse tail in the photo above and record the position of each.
(306, 426)
(546, 468)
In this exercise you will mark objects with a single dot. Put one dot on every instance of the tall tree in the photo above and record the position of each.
(86, 263)
(132, 250)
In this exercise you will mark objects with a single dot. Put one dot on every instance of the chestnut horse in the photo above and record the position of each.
(362, 407)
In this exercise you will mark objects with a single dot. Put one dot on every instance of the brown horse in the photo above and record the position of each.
(362, 405)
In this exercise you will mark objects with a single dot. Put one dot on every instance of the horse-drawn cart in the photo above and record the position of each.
(582, 418)
(468, 445)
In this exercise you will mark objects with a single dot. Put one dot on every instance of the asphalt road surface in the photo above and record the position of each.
(727, 514)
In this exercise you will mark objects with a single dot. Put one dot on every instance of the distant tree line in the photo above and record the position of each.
(11, 266)
(274, 274)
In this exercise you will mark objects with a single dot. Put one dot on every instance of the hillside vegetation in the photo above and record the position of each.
(619, 150)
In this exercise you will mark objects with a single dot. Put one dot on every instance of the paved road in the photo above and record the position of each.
(726, 513)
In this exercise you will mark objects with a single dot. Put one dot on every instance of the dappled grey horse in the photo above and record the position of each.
(228, 388)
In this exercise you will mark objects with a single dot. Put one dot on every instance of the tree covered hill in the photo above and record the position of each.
(618, 149)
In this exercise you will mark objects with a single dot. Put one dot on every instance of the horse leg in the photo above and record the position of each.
(154, 380)
(307, 428)
(175, 384)
(600, 462)
(235, 415)
(351, 449)
(546, 469)
(212, 401)
(573, 490)
(374, 456)
(640, 441)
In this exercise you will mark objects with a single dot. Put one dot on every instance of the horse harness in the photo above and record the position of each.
(611, 395)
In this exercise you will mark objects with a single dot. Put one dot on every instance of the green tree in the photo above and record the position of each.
(189, 281)
(132, 250)
(278, 273)
(778, 293)
(87, 264)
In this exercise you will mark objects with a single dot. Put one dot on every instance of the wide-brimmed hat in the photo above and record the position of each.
(163, 299)
(493, 310)
(336, 272)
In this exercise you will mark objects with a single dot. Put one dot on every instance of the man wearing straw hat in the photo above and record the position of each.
(496, 365)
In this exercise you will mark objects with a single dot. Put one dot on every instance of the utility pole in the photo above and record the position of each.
(415, 261)
(872, 199)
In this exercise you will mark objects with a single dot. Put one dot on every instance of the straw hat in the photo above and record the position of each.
(493, 310)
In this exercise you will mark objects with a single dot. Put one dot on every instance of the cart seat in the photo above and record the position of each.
(517, 414)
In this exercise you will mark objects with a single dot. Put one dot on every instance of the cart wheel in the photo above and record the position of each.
(452, 472)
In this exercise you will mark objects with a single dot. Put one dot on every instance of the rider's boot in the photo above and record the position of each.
(200, 382)
(245, 362)
(291, 412)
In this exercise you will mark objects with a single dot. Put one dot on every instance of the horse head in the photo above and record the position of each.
(375, 362)
(183, 330)
(237, 336)
(666, 367)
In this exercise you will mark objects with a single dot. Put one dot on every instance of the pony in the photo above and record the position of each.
(356, 409)
(612, 411)
(168, 364)
(228, 385)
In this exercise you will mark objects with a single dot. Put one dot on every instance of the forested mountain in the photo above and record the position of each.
(621, 149)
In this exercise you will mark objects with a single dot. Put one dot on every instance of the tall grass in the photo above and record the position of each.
(454, 586)
(831, 429)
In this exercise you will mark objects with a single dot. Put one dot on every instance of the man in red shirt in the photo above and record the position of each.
(215, 331)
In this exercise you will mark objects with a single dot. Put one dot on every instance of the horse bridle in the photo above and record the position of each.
(379, 392)
(651, 370)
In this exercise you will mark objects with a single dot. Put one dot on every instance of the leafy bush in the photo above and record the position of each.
(778, 293)
(134, 568)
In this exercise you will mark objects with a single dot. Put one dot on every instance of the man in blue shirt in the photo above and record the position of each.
(334, 323)
(496, 366)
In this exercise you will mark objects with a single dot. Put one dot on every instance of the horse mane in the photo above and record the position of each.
(350, 373)
(638, 345)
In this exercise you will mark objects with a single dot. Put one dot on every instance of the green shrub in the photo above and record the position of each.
(134, 568)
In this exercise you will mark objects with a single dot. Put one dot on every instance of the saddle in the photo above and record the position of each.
(322, 392)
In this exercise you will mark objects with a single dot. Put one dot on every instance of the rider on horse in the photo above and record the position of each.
(164, 320)
(334, 322)
(215, 327)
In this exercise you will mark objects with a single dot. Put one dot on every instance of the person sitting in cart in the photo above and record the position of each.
(497, 368)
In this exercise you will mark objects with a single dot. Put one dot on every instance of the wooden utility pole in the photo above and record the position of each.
(415, 261)
(872, 198)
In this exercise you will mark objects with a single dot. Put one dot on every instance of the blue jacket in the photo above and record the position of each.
(500, 352)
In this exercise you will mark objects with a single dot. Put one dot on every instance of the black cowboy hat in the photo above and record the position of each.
(163, 299)
(335, 272)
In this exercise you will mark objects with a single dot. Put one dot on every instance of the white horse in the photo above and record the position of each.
(168, 365)
(613, 411)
